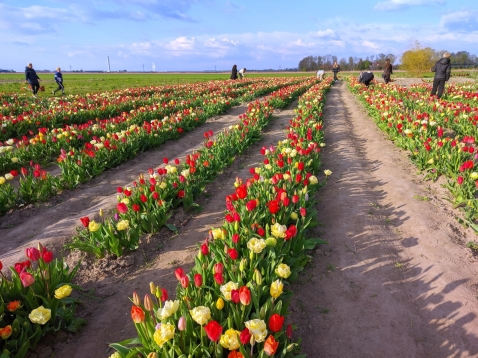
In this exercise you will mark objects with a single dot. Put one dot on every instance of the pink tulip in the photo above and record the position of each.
(26, 278)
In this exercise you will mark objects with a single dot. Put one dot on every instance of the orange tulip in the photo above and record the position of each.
(14, 305)
(137, 314)
(5, 332)
(235, 354)
(270, 346)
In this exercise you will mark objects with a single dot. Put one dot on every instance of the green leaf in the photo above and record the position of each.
(172, 227)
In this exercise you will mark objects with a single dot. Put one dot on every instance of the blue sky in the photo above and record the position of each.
(211, 34)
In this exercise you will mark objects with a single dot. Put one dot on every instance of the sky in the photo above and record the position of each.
(198, 35)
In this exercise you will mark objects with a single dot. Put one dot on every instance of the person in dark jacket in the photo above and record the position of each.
(32, 78)
(442, 69)
(366, 78)
(335, 70)
(387, 71)
(59, 81)
(234, 73)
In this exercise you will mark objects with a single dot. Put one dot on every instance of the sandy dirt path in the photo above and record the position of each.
(395, 279)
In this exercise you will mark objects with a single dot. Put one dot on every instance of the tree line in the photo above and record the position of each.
(417, 59)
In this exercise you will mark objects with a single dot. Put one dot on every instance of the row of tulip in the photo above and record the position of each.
(79, 165)
(146, 206)
(77, 110)
(35, 301)
(234, 301)
(43, 146)
(435, 132)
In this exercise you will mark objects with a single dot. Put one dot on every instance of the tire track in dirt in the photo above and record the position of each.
(107, 309)
(393, 282)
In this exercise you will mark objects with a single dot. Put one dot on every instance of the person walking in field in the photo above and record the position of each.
(59, 81)
(335, 70)
(320, 75)
(234, 73)
(442, 69)
(242, 73)
(387, 71)
(32, 78)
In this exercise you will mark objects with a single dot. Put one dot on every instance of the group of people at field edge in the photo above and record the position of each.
(235, 73)
(442, 69)
(33, 80)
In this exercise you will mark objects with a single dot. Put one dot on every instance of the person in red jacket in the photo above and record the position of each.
(442, 69)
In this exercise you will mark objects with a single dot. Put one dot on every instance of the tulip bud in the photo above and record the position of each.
(262, 312)
(220, 303)
(294, 216)
(234, 268)
(251, 255)
(136, 299)
(158, 292)
(271, 241)
(182, 323)
(148, 303)
(152, 288)
(101, 212)
(242, 264)
(257, 277)
(291, 347)
(40, 247)
(153, 355)
(253, 340)
(46, 274)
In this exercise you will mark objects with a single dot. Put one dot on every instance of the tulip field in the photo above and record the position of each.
(234, 300)
(439, 134)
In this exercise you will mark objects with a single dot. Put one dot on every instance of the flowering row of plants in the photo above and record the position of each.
(437, 133)
(44, 145)
(77, 110)
(35, 300)
(234, 302)
(99, 154)
(146, 207)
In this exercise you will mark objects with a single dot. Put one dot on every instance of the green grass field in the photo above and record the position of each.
(76, 83)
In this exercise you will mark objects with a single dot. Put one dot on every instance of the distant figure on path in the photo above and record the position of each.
(387, 71)
(59, 81)
(242, 73)
(442, 71)
(320, 74)
(335, 70)
(366, 77)
(234, 73)
(32, 78)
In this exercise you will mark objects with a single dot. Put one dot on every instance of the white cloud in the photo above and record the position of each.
(228, 41)
(323, 33)
(392, 5)
(369, 44)
(461, 20)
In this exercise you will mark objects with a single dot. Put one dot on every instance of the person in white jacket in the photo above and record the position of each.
(320, 74)
(242, 73)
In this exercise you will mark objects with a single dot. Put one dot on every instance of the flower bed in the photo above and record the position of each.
(234, 303)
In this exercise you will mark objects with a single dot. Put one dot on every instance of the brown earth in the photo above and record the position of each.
(395, 279)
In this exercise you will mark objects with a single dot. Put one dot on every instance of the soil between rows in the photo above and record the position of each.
(395, 279)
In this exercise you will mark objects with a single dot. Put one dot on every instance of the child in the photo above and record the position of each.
(59, 81)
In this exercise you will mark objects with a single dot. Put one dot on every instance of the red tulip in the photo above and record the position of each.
(165, 160)
(300, 166)
(85, 221)
(295, 199)
(205, 249)
(235, 296)
(47, 256)
(143, 198)
(290, 232)
(122, 208)
(241, 191)
(245, 295)
(233, 254)
(135, 207)
(164, 295)
(32, 253)
(198, 280)
(179, 272)
(276, 322)
(1, 266)
(274, 206)
(24, 171)
(137, 314)
(26, 278)
(176, 161)
(181, 194)
(303, 212)
(288, 331)
(185, 281)
(213, 330)
(245, 336)
(270, 346)
(219, 278)
(235, 238)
